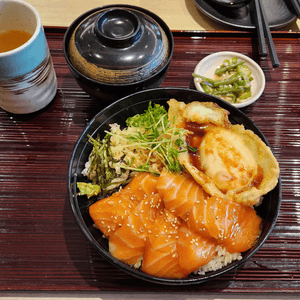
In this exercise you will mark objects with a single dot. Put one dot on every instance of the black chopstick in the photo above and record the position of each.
(260, 30)
(296, 6)
(272, 50)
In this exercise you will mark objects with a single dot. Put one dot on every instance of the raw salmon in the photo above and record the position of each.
(110, 213)
(161, 256)
(128, 242)
(179, 193)
(194, 249)
(170, 226)
(142, 185)
(234, 225)
(244, 232)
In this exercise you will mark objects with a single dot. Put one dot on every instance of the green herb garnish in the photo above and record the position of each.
(157, 136)
(154, 133)
(192, 149)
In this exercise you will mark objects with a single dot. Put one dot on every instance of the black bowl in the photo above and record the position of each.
(109, 92)
(232, 3)
(118, 112)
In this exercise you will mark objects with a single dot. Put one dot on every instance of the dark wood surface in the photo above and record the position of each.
(41, 246)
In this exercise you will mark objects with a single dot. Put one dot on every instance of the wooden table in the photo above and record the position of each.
(42, 250)
(180, 15)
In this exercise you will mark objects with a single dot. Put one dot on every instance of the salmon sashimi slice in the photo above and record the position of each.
(194, 249)
(142, 185)
(211, 217)
(244, 232)
(110, 213)
(234, 225)
(179, 193)
(160, 256)
(128, 242)
(197, 218)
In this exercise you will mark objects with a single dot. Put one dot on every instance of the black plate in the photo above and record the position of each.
(279, 13)
(118, 112)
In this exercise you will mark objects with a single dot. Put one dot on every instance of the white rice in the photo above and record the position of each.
(222, 259)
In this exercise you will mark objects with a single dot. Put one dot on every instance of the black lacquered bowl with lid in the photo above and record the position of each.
(116, 50)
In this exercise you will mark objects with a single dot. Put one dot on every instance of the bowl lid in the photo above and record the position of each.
(119, 45)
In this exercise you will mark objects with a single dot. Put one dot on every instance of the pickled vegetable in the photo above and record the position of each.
(231, 82)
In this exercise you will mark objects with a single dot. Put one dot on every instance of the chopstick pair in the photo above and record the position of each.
(264, 33)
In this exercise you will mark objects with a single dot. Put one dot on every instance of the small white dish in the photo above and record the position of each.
(208, 65)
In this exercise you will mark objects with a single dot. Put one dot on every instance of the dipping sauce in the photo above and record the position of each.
(12, 39)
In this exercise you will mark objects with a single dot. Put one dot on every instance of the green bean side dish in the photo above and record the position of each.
(232, 81)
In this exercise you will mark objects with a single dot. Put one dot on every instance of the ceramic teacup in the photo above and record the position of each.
(27, 78)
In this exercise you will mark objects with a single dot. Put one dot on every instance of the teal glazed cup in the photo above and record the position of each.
(27, 78)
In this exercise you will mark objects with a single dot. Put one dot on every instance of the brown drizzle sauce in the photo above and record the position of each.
(194, 140)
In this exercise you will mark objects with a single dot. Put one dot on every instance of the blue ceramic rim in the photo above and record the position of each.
(36, 32)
